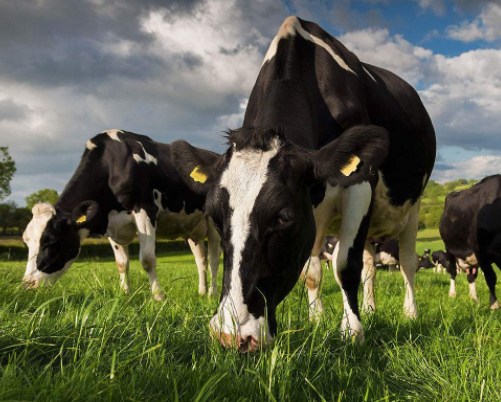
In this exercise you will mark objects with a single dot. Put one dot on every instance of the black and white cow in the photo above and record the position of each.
(471, 230)
(387, 253)
(439, 259)
(124, 185)
(326, 138)
(327, 251)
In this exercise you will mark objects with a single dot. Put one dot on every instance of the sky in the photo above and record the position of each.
(70, 69)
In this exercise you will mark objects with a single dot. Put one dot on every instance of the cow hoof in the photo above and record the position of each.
(212, 292)
(202, 292)
(159, 296)
(452, 294)
(354, 335)
(411, 313)
(369, 308)
(495, 306)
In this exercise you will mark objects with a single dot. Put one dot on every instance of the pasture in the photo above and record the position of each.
(84, 340)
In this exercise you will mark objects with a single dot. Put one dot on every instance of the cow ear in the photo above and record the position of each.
(194, 165)
(84, 212)
(353, 157)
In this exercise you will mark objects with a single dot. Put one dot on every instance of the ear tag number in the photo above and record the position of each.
(82, 219)
(351, 166)
(197, 175)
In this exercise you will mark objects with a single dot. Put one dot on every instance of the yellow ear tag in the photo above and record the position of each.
(82, 219)
(197, 175)
(351, 166)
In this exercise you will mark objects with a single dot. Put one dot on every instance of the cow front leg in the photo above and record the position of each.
(200, 252)
(122, 260)
(471, 275)
(491, 279)
(146, 235)
(451, 267)
(214, 244)
(368, 278)
(348, 256)
(409, 261)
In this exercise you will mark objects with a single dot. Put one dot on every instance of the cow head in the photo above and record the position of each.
(258, 195)
(53, 239)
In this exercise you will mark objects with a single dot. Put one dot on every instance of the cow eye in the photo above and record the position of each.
(284, 218)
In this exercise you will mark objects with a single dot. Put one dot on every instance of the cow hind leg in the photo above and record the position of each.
(214, 244)
(491, 279)
(408, 260)
(200, 252)
(122, 260)
(146, 235)
(368, 278)
(452, 268)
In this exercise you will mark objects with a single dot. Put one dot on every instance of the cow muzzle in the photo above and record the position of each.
(241, 343)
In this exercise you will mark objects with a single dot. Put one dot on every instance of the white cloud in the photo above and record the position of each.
(376, 46)
(486, 26)
(475, 168)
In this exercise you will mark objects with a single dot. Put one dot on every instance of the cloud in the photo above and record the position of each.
(376, 46)
(486, 26)
(475, 168)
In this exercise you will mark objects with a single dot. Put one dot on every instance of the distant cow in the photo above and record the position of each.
(387, 253)
(471, 230)
(439, 259)
(327, 252)
(124, 185)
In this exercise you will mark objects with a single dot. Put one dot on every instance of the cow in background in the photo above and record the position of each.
(327, 252)
(439, 259)
(124, 185)
(470, 227)
(387, 253)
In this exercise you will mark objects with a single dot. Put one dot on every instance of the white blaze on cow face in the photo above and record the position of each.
(243, 179)
(290, 27)
(42, 213)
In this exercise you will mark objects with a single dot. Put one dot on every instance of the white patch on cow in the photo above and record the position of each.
(121, 227)
(290, 26)
(468, 262)
(386, 259)
(473, 291)
(90, 145)
(452, 290)
(42, 213)
(113, 134)
(157, 199)
(148, 158)
(244, 178)
(369, 74)
(351, 327)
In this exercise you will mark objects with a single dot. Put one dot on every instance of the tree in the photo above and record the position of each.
(45, 195)
(7, 170)
(21, 218)
(7, 214)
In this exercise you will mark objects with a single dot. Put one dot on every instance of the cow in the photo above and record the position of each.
(124, 185)
(470, 227)
(424, 260)
(327, 251)
(387, 253)
(439, 259)
(326, 141)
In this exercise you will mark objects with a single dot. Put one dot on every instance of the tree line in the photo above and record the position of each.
(15, 218)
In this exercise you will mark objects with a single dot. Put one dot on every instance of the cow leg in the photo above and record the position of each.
(122, 260)
(368, 278)
(408, 260)
(146, 235)
(200, 252)
(451, 262)
(471, 275)
(491, 279)
(392, 268)
(348, 255)
(214, 244)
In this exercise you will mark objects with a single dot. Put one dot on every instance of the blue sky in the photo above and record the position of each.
(185, 68)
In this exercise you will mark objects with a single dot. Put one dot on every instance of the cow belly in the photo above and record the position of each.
(172, 225)
(121, 227)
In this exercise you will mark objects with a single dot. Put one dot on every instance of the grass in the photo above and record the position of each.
(83, 340)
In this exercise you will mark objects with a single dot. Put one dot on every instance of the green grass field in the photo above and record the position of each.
(83, 340)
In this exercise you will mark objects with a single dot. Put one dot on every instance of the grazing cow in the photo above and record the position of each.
(439, 259)
(424, 260)
(327, 251)
(317, 131)
(124, 185)
(387, 253)
(470, 227)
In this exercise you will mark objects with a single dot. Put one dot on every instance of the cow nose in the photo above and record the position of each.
(243, 344)
(30, 284)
